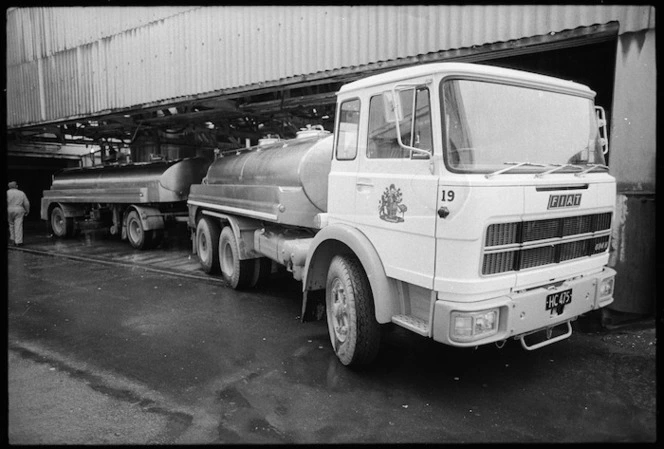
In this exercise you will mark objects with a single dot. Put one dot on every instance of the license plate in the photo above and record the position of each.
(556, 302)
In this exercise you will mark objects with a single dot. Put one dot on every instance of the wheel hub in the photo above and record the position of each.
(135, 231)
(58, 222)
(202, 244)
(339, 312)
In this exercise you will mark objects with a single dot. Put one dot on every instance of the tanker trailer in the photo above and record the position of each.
(136, 201)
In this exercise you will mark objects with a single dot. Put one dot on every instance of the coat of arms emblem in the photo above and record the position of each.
(390, 208)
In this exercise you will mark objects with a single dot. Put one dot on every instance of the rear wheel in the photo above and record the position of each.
(60, 225)
(207, 242)
(138, 237)
(238, 273)
(351, 319)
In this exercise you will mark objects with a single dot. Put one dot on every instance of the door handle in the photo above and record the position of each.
(364, 185)
(443, 212)
(364, 182)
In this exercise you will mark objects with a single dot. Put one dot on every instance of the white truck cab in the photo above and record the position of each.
(466, 203)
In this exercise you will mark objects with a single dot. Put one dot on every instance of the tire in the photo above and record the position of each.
(60, 225)
(238, 273)
(207, 242)
(351, 318)
(138, 237)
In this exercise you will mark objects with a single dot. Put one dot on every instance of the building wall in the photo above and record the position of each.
(633, 161)
(634, 124)
(66, 63)
(34, 33)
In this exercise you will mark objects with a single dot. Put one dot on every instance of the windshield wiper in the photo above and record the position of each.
(513, 166)
(555, 169)
(592, 167)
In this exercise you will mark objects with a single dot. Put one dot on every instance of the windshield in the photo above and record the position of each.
(490, 126)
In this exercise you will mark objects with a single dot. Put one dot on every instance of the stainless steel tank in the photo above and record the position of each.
(297, 163)
(160, 181)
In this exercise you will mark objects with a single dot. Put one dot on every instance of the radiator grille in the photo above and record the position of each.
(501, 234)
(540, 230)
(566, 239)
(573, 250)
(498, 262)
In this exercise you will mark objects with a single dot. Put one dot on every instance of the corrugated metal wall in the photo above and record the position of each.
(73, 62)
(633, 163)
(34, 33)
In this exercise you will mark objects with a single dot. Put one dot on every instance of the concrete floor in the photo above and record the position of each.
(109, 345)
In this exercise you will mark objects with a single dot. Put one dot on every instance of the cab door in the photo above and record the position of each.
(396, 188)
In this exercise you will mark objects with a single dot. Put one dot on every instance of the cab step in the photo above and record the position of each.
(417, 325)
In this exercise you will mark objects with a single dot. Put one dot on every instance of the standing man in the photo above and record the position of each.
(18, 207)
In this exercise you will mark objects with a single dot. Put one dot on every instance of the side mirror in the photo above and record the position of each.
(394, 113)
(603, 134)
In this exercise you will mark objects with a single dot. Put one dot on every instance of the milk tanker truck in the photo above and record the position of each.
(134, 201)
(466, 203)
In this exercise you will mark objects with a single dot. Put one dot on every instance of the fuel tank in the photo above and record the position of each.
(283, 182)
(160, 181)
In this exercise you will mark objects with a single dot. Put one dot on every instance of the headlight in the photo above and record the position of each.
(469, 326)
(606, 287)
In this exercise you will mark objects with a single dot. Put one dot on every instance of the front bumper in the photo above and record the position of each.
(525, 312)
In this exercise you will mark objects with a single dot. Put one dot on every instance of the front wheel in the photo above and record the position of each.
(351, 318)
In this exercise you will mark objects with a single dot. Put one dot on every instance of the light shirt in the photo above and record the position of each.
(16, 199)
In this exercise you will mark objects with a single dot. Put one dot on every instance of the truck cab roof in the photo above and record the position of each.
(479, 71)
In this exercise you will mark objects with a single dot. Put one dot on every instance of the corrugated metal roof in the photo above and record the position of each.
(87, 60)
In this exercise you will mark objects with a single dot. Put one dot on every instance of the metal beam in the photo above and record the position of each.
(46, 155)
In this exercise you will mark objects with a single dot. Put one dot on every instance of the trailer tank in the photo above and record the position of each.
(283, 182)
(149, 182)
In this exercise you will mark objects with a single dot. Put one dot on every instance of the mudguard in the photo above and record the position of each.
(70, 210)
(151, 217)
(343, 239)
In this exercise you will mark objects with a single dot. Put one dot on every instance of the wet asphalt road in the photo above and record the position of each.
(109, 346)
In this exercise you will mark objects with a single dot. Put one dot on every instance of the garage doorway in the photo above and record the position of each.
(33, 175)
